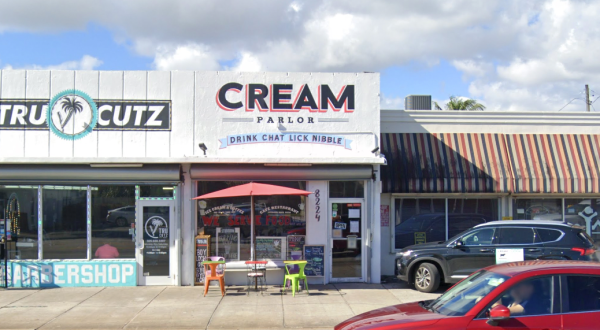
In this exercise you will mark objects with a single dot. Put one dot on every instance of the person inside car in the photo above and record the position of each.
(525, 300)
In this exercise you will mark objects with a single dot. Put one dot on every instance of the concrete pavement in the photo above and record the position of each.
(186, 308)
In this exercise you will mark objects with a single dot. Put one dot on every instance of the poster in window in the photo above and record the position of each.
(295, 246)
(228, 243)
(202, 251)
(384, 214)
(420, 237)
(270, 248)
(353, 213)
(352, 242)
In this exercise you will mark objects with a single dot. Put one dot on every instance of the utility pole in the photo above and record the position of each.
(587, 98)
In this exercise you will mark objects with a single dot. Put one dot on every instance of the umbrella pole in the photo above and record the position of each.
(252, 228)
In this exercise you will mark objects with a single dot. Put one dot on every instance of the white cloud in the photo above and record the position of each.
(87, 62)
(185, 57)
(247, 62)
(517, 55)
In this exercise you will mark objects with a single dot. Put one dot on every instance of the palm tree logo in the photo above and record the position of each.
(72, 114)
(71, 106)
(152, 225)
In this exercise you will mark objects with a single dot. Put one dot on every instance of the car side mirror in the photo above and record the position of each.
(497, 314)
(458, 244)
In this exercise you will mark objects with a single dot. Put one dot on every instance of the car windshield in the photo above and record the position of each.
(463, 296)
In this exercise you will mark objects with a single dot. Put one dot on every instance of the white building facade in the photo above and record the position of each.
(98, 170)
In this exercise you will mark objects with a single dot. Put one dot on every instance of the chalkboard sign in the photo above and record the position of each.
(295, 247)
(228, 243)
(315, 257)
(272, 248)
(202, 248)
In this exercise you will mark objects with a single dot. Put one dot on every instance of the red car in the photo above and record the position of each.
(549, 295)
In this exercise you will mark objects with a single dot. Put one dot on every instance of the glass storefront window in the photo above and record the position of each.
(464, 213)
(421, 220)
(277, 216)
(347, 189)
(19, 205)
(537, 209)
(113, 218)
(65, 222)
(584, 212)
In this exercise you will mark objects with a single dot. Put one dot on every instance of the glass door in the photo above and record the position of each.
(155, 246)
(346, 240)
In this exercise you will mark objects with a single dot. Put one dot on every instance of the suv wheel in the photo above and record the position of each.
(427, 278)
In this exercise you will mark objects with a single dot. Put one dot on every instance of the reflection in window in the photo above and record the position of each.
(65, 222)
(113, 215)
(274, 215)
(584, 212)
(19, 204)
(346, 189)
(421, 220)
(537, 209)
(157, 191)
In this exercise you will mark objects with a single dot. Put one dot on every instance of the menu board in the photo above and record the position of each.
(272, 248)
(228, 243)
(315, 257)
(295, 247)
(202, 251)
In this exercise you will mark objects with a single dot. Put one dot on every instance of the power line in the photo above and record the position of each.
(577, 98)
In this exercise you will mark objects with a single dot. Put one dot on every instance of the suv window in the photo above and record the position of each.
(548, 235)
(483, 236)
(515, 235)
(584, 293)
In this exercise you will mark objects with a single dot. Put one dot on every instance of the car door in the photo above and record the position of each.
(473, 251)
(541, 308)
(582, 306)
(524, 238)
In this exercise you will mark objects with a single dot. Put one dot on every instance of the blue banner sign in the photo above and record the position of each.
(55, 274)
(333, 140)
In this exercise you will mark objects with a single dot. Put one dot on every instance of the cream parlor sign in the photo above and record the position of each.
(72, 114)
(286, 104)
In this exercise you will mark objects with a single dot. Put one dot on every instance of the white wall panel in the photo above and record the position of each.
(134, 88)
(110, 143)
(158, 143)
(38, 87)
(12, 142)
(182, 93)
(60, 81)
(87, 82)
(317, 231)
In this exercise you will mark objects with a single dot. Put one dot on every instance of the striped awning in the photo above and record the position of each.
(554, 163)
(454, 162)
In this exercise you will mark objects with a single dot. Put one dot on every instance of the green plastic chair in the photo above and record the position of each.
(295, 278)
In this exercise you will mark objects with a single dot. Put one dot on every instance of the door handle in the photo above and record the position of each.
(534, 250)
(486, 250)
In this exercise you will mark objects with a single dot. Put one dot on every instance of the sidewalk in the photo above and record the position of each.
(186, 308)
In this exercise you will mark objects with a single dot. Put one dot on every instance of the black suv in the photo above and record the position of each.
(426, 265)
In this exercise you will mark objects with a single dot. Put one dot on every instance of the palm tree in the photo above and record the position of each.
(456, 103)
(70, 105)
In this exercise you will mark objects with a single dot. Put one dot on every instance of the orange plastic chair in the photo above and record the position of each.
(214, 276)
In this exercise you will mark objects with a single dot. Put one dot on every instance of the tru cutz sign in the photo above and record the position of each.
(72, 114)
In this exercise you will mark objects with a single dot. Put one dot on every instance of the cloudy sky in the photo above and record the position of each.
(517, 55)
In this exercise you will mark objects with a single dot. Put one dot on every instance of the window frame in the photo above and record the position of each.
(89, 200)
(394, 197)
(558, 296)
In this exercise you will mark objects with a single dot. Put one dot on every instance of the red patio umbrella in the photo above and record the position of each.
(254, 189)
